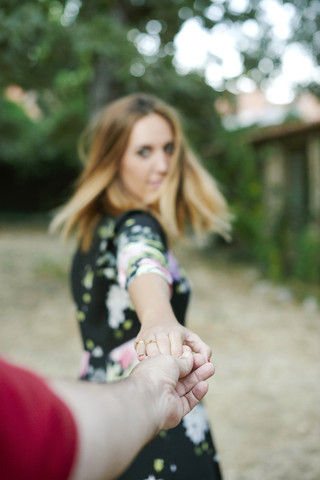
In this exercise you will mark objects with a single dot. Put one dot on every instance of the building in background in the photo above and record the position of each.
(286, 141)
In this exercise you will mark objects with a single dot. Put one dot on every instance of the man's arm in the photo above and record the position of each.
(116, 421)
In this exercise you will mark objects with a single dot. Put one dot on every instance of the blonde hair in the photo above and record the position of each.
(188, 194)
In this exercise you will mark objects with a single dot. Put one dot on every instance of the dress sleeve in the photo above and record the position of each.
(141, 248)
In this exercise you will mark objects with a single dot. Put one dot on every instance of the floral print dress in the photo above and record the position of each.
(121, 249)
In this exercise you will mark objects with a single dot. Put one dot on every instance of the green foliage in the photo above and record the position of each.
(75, 62)
(76, 56)
(20, 141)
(285, 253)
(236, 169)
(37, 158)
(34, 45)
(306, 265)
(269, 256)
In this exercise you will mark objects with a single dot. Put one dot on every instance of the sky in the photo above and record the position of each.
(216, 51)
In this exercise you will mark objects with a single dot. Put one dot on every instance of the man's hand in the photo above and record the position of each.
(125, 415)
(175, 385)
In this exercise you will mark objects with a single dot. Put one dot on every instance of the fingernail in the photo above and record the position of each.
(141, 355)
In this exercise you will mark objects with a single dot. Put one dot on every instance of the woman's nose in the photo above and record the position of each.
(162, 162)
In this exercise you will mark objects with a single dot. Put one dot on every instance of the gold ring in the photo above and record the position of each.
(151, 341)
(136, 343)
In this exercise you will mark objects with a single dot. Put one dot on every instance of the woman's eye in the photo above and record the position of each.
(144, 152)
(169, 148)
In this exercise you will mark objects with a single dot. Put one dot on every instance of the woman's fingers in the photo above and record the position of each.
(151, 342)
(152, 347)
(140, 348)
(163, 343)
(172, 343)
(198, 346)
(176, 343)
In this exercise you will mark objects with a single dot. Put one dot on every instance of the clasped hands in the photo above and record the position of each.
(172, 386)
(177, 363)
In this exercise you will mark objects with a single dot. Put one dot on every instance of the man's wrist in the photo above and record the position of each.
(142, 389)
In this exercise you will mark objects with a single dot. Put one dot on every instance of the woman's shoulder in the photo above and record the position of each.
(136, 216)
(139, 220)
(105, 227)
(108, 227)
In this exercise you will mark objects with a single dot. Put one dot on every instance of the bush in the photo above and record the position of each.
(38, 159)
(306, 265)
(236, 169)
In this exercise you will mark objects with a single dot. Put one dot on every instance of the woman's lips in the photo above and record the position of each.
(156, 183)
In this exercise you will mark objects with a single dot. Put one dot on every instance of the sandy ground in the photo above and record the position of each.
(263, 401)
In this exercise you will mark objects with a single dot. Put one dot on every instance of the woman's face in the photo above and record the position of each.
(146, 161)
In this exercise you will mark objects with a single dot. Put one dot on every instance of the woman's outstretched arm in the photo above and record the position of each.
(160, 330)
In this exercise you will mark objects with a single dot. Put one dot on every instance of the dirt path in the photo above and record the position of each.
(264, 399)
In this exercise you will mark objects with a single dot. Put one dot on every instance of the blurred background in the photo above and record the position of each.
(245, 77)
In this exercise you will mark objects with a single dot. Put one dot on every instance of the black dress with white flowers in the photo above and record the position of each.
(121, 249)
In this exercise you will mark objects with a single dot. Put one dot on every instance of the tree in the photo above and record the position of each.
(106, 47)
(76, 56)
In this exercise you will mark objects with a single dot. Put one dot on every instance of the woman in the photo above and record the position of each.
(140, 188)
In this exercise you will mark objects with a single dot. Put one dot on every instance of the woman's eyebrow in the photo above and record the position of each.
(139, 146)
(143, 145)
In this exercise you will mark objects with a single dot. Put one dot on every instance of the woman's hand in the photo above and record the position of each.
(168, 337)
(160, 330)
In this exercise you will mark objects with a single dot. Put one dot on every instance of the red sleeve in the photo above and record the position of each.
(38, 434)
